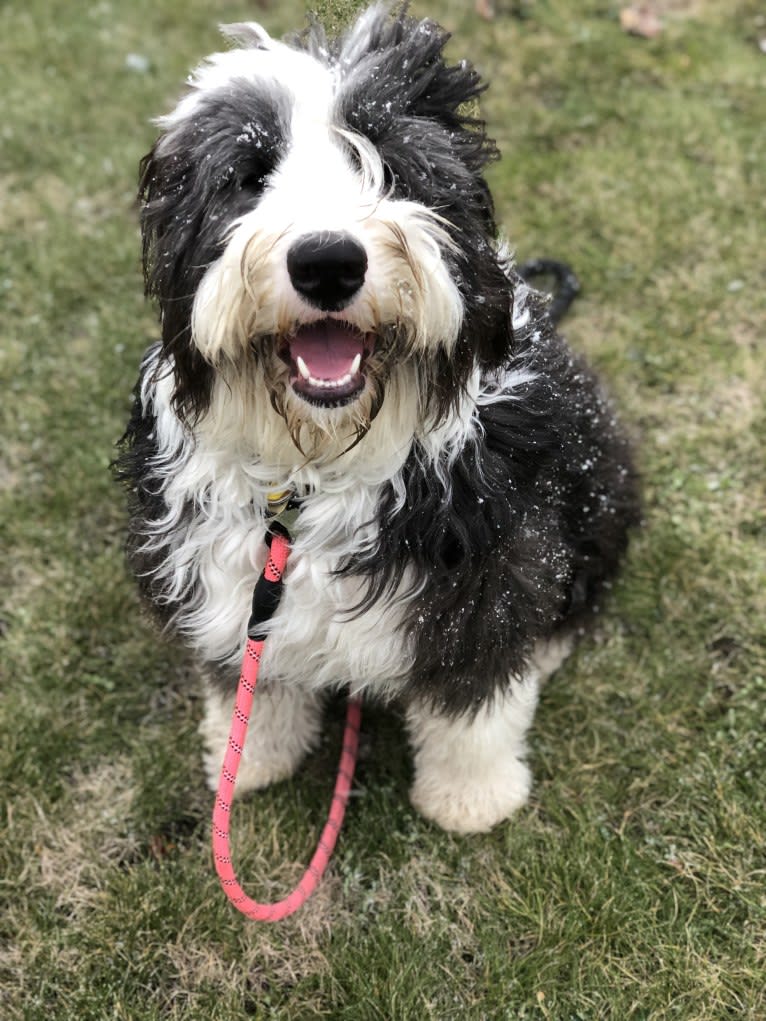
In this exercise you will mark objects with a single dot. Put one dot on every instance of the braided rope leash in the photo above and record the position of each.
(265, 601)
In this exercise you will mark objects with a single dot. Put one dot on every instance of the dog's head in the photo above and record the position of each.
(316, 226)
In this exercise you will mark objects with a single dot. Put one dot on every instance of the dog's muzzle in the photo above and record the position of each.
(327, 358)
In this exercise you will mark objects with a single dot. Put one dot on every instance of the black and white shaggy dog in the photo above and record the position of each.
(339, 319)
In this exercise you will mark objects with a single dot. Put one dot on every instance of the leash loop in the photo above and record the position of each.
(265, 601)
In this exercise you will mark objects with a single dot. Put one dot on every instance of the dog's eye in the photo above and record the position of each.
(252, 182)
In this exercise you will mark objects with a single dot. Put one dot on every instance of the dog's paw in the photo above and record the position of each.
(255, 771)
(462, 803)
(470, 770)
(284, 726)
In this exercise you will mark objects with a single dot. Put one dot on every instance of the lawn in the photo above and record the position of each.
(634, 884)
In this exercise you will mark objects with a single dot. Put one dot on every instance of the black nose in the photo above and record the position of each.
(327, 269)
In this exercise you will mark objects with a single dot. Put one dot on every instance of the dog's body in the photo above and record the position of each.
(340, 321)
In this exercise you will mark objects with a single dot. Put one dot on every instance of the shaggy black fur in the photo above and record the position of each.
(534, 527)
(134, 467)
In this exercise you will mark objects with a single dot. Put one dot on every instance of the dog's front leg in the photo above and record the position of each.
(470, 771)
(284, 726)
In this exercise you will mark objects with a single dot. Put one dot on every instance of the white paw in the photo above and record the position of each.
(284, 726)
(470, 772)
(255, 770)
(462, 803)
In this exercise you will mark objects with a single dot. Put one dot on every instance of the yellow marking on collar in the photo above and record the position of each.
(279, 507)
(277, 496)
(277, 501)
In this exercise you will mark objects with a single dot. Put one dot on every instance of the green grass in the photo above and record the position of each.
(632, 887)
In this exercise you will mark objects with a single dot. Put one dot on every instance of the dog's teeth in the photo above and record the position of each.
(323, 384)
(355, 364)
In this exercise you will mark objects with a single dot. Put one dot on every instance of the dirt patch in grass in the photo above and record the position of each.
(78, 847)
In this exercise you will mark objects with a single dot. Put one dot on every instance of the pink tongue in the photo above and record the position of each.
(328, 349)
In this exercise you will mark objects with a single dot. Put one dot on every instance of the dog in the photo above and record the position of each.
(340, 321)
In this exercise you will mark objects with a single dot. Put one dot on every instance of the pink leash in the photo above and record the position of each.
(265, 601)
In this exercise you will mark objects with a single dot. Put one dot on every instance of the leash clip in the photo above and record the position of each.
(282, 512)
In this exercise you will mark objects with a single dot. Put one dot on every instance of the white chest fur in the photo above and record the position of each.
(313, 639)
(210, 543)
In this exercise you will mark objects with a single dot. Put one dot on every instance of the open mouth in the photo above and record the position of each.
(327, 361)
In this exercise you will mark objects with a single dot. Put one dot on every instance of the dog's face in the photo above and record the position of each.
(317, 227)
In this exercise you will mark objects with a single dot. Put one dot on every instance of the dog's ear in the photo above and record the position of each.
(486, 339)
(247, 33)
(172, 223)
(398, 82)
(488, 318)
(486, 336)
(207, 170)
(421, 113)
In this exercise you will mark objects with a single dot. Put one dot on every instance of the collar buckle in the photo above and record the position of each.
(283, 506)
